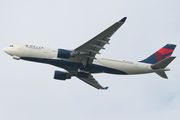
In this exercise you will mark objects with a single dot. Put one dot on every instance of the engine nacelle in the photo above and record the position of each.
(61, 75)
(62, 53)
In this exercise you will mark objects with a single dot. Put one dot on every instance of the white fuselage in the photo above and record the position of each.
(30, 51)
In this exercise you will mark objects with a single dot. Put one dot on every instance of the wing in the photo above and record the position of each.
(91, 81)
(89, 49)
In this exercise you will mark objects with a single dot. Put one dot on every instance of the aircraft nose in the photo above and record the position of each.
(5, 50)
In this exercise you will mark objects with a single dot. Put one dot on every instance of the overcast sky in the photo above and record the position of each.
(28, 90)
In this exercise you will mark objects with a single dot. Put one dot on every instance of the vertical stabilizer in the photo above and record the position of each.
(161, 54)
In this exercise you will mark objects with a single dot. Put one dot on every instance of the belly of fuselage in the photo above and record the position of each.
(73, 66)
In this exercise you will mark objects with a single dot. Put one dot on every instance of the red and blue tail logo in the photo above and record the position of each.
(161, 54)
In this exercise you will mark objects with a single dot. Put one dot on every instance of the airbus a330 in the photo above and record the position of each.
(83, 61)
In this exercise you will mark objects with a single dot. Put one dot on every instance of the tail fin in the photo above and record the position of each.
(161, 54)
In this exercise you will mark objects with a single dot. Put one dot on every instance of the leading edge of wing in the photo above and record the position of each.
(91, 81)
(107, 33)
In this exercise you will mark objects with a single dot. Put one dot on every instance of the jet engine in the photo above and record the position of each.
(61, 75)
(62, 53)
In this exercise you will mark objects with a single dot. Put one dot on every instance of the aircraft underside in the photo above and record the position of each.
(72, 66)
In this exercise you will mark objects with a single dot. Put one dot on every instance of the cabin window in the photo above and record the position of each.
(11, 45)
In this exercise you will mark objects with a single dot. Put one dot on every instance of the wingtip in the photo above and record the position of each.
(123, 20)
(106, 88)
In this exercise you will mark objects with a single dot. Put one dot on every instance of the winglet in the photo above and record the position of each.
(106, 88)
(123, 20)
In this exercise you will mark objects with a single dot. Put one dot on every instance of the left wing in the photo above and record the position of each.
(91, 81)
(92, 47)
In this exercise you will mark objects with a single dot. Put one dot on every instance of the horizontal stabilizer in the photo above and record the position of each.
(163, 63)
(162, 74)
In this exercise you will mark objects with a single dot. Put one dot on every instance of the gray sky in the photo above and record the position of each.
(28, 90)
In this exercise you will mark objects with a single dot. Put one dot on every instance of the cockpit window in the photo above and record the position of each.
(11, 46)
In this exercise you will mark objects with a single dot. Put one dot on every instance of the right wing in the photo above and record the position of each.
(91, 81)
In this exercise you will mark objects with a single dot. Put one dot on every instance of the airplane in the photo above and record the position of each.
(83, 61)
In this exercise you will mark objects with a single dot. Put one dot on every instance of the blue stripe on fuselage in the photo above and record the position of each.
(73, 66)
(98, 68)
